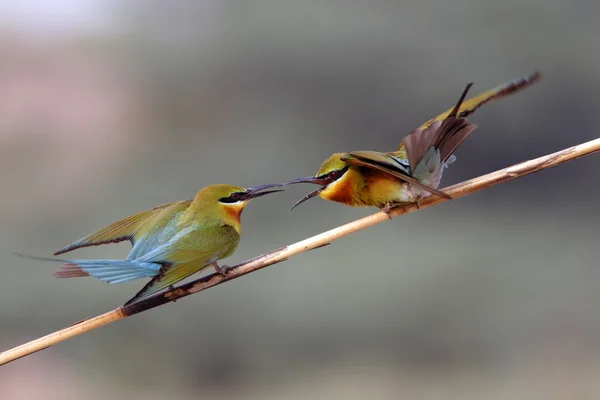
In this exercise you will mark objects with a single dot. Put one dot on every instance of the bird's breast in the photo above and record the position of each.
(341, 191)
(234, 213)
(365, 187)
(383, 188)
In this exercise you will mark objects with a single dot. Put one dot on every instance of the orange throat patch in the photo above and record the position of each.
(345, 190)
(234, 212)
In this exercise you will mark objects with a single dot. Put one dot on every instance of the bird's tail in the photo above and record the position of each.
(111, 271)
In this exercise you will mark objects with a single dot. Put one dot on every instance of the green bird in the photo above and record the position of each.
(171, 241)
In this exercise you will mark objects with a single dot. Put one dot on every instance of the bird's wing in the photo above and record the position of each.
(446, 136)
(469, 106)
(130, 228)
(187, 253)
(390, 164)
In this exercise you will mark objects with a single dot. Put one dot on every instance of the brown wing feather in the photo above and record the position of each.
(452, 136)
(437, 134)
(419, 141)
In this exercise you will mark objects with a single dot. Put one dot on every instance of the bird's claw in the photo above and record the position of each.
(221, 269)
(387, 208)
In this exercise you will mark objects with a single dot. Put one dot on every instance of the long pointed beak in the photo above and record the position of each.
(257, 191)
(323, 182)
(309, 196)
(308, 179)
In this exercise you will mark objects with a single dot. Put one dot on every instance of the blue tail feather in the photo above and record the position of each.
(111, 271)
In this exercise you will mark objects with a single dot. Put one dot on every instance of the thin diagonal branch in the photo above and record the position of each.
(276, 256)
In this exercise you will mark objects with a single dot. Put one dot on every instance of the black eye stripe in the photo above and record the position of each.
(336, 174)
(233, 198)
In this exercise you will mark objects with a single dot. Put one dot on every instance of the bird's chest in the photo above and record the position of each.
(383, 188)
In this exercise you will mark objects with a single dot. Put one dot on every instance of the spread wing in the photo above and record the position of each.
(187, 253)
(469, 106)
(446, 136)
(130, 228)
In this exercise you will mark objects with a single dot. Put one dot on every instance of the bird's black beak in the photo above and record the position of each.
(257, 191)
(309, 196)
(323, 181)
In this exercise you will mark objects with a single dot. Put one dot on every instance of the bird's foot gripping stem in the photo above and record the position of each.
(221, 269)
(388, 207)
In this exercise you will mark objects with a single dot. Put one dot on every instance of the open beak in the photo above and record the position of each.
(323, 182)
(309, 196)
(257, 191)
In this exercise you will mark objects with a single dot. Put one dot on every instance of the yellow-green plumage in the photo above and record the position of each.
(414, 170)
(130, 228)
(469, 106)
(170, 242)
(360, 186)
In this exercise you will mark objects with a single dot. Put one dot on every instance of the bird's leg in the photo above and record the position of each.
(387, 208)
(170, 289)
(222, 270)
(162, 271)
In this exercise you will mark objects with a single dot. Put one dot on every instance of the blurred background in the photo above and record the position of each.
(108, 108)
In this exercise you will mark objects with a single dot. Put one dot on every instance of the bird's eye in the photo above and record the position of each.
(233, 198)
(336, 174)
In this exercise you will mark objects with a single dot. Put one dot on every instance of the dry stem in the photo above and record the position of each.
(284, 253)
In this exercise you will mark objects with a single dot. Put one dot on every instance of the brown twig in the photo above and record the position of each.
(284, 253)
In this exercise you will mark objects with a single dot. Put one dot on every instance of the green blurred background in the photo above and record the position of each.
(108, 108)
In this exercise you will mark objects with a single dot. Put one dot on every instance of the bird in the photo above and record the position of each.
(415, 169)
(170, 242)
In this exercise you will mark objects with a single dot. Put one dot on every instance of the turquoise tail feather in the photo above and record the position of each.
(111, 271)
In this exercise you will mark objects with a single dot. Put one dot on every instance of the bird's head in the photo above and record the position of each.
(331, 171)
(230, 199)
